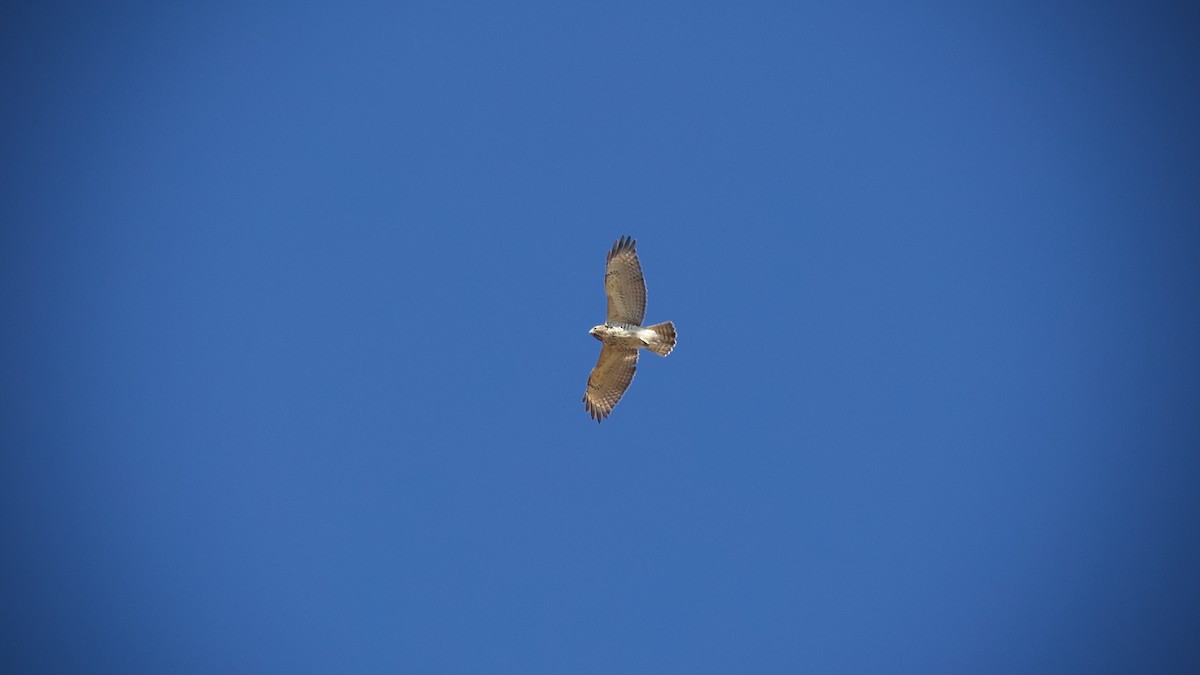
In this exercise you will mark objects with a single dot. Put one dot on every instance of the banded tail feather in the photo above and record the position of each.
(665, 338)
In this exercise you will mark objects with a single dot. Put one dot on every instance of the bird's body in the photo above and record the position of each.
(629, 336)
(623, 334)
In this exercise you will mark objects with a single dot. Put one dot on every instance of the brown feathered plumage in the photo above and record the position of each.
(622, 334)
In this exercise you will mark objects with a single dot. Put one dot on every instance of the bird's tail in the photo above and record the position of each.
(665, 338)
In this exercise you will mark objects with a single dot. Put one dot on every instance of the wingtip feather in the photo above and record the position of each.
(623, 243)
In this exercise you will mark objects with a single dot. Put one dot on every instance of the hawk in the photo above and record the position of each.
(622, 334)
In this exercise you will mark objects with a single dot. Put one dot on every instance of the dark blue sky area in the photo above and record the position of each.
(294, 302)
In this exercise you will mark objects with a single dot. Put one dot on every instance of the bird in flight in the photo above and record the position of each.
(622, 334)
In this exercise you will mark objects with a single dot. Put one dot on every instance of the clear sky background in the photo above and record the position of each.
(295, 301)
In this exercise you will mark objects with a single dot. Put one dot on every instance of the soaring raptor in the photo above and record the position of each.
(622, 333)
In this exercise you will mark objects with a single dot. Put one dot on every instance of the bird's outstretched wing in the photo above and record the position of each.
(609, 380)
(624, 285)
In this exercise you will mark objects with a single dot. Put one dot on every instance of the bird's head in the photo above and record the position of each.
(597, 331)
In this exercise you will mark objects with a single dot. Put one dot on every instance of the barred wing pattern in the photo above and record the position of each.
(624, 284)
(609, 380)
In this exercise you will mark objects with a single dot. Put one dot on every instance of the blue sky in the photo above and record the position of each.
(295, 301)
